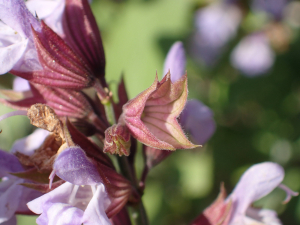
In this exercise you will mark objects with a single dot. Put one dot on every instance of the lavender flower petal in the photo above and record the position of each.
(266, 216)
(30, 143)
(289, 193)
(12, 48)
(11, 221)
(17, 50)
(60, 194)
(49, 11)
(20, 84)
(253, 55)
(72, 205)
(175, 61)
(28, 195)
(210, 38)
(13, 196)
(208, 22)
(274, 7)
(258, 181)
(15, 14)
(204, 52)
(5, 184)
(95, 211)
(9, 164)
(61, 214)
(197, 119)
(9, 199)
(42, 219)
(72, 165)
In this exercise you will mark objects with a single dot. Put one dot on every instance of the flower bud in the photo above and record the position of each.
(117, 140)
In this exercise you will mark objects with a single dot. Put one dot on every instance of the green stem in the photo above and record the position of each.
(125, 169)
(109, 111)
(138, 211)
(105, 97)
(139, 214)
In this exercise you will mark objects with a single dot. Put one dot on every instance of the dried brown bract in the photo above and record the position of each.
(44, 117)
(43, 157)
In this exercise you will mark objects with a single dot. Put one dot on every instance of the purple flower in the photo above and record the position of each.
(258, 181)
(16, 40)
(89, 167)
(82, 199)
(253, 56)
(74, 166)
(175, 61)
(274, 7)
(71, 204)
(71, 58)
(208, 22)
(13, 196)
(197, 120)
(203, 52)
(211, 37)
(51, 12)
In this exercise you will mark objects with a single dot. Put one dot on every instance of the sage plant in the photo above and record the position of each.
(59, 172)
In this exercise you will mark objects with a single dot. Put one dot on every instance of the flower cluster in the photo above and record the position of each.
(61, 173)
(255, 53)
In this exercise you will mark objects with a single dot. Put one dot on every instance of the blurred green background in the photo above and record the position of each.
(258, 119)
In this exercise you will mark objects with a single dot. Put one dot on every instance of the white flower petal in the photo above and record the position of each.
(11, 54)
(15, 14)
(60, 194)
(95, 211)
(64, 214)
(51, 11)
(261, 216)
(30, 143)
(258, 181)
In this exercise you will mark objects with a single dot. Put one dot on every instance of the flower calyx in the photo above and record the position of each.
(152, 115)
(218, 213)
